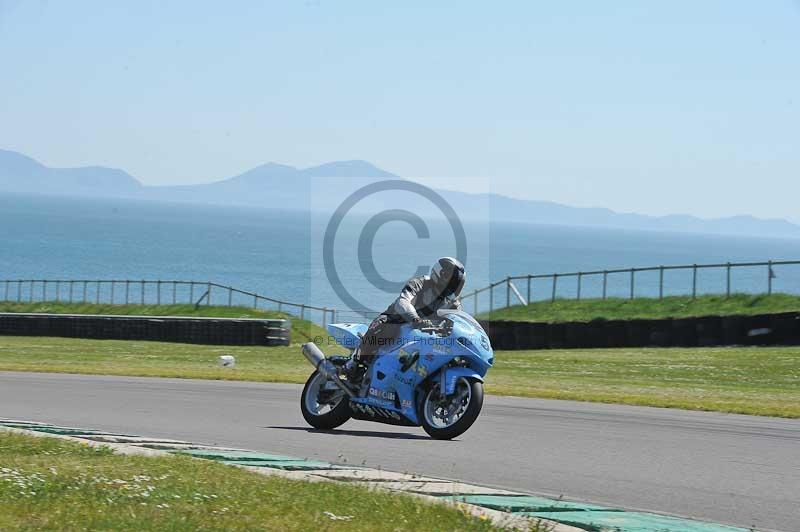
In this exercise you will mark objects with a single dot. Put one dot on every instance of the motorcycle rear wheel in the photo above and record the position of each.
(466, 403)
(322, 416)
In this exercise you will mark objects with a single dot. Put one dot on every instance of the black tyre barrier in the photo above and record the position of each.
(615, 333)
(519, 336)
(758, 329)
(785, 327)
(576, 335)
(762, 329)
(661, 333)
(638, 333)
(734, 330)
(593, 334)
(709, 331)
(213, 331)
(536, 335)
(557, 335)
(684, 332)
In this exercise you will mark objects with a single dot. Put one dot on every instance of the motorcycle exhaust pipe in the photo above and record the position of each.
(316, 358)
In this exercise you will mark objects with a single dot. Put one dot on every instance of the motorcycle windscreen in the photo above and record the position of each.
(348, 335)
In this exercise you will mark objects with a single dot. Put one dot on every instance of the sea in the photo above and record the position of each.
(282, 253)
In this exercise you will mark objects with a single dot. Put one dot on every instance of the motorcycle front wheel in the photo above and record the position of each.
(444, 418)
(323, 404)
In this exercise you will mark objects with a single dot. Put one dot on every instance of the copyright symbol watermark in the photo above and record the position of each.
(366, 240)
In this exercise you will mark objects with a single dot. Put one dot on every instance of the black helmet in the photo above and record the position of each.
(448, 277)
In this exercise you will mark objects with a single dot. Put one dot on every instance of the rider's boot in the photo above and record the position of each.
(355, 370)
(355, 373)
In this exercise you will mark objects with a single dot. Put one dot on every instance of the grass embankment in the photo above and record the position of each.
(562, 310)
(51, 484)
(748, 380)
(302, 330)
(151, 359)
(752, 380)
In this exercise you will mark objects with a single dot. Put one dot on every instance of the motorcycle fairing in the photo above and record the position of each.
(398, 371)
(451, 375)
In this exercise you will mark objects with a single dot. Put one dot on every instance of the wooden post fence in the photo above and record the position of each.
(728, 280)
(770, 275)
(529, 293)
(633, 282)
(40, 288)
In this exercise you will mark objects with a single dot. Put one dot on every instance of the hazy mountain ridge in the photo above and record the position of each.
(546, 212)
(286, 187)
(22, 174)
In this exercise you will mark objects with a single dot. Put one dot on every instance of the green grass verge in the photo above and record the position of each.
(562, 310)
(302, 330)
(746, 380)
(151, 359)
(751, 380)
(52, 484)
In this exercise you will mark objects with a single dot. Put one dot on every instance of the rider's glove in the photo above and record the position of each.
(423, 324)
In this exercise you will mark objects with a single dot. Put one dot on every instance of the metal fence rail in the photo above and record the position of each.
(150, 292)
(166, 292)
(513, 294)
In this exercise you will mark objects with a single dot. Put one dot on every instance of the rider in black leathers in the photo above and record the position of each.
(418, 302)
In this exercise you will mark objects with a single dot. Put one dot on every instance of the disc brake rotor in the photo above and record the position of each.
(448, 410)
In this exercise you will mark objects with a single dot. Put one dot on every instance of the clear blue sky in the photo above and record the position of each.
(645, 106)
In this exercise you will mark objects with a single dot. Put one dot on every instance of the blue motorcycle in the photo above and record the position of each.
(430, 377)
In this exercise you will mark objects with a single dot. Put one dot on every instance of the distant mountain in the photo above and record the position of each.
(544, 212)
(275, 185)
(21, 174)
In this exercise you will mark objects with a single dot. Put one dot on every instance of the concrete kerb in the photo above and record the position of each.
(120, 448)
(400, 482)
(504, 508)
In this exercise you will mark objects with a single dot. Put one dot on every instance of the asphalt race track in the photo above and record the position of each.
(731, 469)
